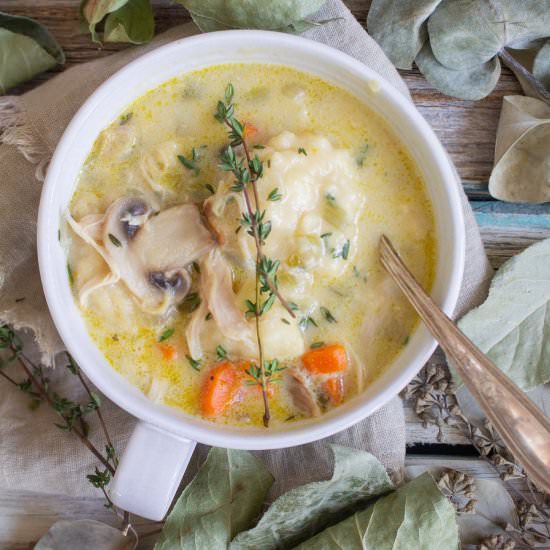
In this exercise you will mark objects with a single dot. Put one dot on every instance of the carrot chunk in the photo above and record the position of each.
(334, 388)
(220, 388)
(169, 352)
(326, 360)
(249, 130)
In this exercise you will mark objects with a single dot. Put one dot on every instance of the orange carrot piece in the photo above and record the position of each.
(220, 388)
(169, 352)
(334, 388)
(326, 360)
(249, 130)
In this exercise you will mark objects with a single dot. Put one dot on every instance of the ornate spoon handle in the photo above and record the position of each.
(521, 424)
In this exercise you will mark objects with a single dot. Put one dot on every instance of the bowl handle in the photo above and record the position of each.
(150, 471)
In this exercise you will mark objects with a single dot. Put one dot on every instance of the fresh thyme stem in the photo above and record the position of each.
(267, 415)
(44, 394)
(8, 378)
(100, 418)
(254, 224)
(247, 171)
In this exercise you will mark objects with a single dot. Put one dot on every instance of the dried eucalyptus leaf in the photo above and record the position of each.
(470, 84)
(85, 534)
(417, 515)
(511, 326)
(26, 49)
(467, 33)
(494, 509)
(522, 152)
(399, 27)
(275, 15)
(302, 512)
(541, 65)
(224, 498)
(134, 22)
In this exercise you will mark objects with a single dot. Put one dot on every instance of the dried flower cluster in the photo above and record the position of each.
(432, 394)
(459, 488)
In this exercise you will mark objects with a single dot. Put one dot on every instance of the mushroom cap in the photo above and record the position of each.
(151, 251)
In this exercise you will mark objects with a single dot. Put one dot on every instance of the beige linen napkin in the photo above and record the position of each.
(36, 456)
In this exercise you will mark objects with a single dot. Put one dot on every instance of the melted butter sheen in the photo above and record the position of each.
(342, 176)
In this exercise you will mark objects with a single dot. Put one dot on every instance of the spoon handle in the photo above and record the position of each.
(521, 424)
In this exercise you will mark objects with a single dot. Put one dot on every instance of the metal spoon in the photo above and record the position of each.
(521, 424)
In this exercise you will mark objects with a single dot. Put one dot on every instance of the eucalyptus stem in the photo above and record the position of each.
(512, 63)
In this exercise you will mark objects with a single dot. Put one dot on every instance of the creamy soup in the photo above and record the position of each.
(164, 266)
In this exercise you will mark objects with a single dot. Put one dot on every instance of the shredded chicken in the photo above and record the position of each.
(302, 396)
(217, 292)
(194, 329)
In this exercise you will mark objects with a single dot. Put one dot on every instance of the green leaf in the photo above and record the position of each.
(465, 34)
(512, 325)
(85, 533)
(470, 84)
(166, 334)
(125, 20)
(223, 499)
(417, 515)
(134, 22)
(301, 512)
(399, 27)
(93, 12)
(275, 15)
(26, 49)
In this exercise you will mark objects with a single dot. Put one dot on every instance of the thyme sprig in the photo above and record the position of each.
(247, 170)
(36, 384)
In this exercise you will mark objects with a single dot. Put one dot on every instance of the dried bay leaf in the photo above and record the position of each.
(512, 325)
(467, 33)
(302, 512)
(275, 15)
(84, 534)
(417, 515)
(522, 152)
(224, 498)
(472, 84)
(399, 26)
(26, 49)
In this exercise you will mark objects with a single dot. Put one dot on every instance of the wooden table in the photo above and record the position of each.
(467, 129)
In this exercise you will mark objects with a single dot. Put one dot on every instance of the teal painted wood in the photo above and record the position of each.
(510, 215)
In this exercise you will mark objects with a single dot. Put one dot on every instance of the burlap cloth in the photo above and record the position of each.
(35, 455)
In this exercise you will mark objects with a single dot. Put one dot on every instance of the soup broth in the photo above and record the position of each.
(164, 269)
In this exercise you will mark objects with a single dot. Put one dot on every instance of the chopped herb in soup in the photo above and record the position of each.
(223, 244)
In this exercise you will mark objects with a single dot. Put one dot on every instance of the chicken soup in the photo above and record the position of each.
(222, 244)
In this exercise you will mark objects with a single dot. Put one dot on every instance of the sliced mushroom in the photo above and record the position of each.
(151, 252)
(217, 292)
(302, 396)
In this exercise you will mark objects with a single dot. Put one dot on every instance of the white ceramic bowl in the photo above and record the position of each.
(159, 449)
